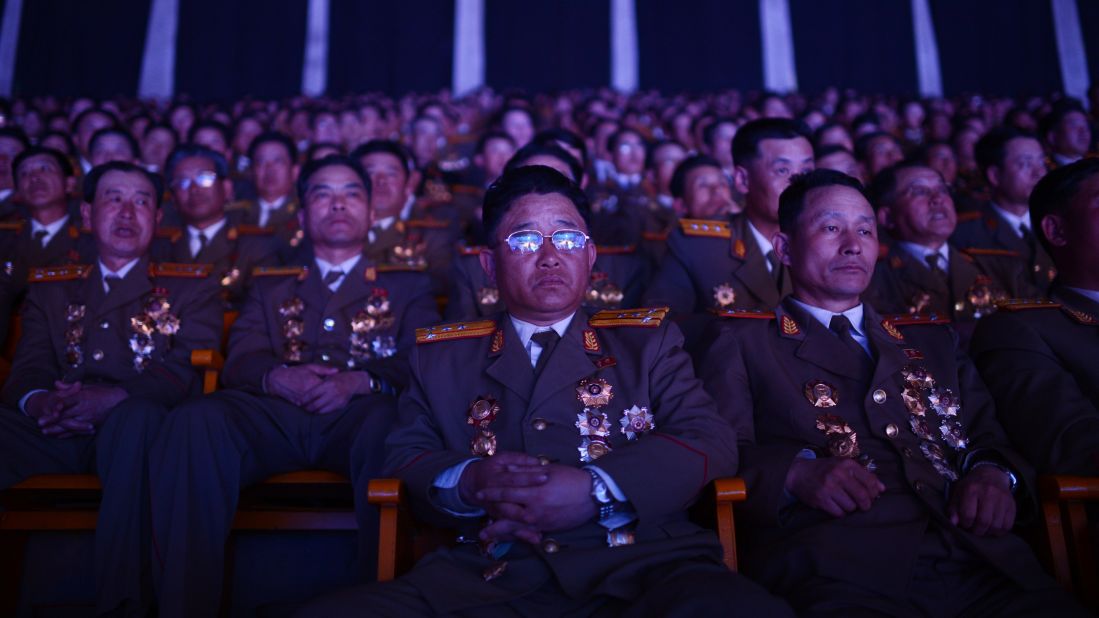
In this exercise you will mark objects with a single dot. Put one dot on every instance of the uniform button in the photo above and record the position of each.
(959, 306)
(329, 324)
(97, 355)
(879, 396)
(543, 460)
(891, 430)
(907, 452)
(539, 424)
(919, 485)
(550, 546)
(325, 357)
(104, 325)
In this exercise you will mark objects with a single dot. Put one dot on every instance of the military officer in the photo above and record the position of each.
(584, 437)
(105, 352)
(273, 165)
(922, 273)
(313, 361)
(1038, 357)
(879, 481)
(201, 189)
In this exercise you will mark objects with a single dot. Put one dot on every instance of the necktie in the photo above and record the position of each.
(40, 237)
(547, 340)
(776, 269)
(934, 262)
(112, 282)
(1029, 239)
(842, 327)
(332, 279)
(201, 244)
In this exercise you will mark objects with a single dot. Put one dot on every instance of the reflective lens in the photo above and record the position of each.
(202, 179)
(529, 241)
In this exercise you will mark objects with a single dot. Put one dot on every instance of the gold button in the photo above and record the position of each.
(543, 460)
(539, 424)
(891, 430)
(959, 306)
(550, 546)
(97, 355)
(879, 396)
(325, 357)
(104, 325)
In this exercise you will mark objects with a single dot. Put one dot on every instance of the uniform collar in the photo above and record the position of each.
(50, 229)
(525, 329)
(1014, 220)
(824, 316)
(209, 232)
(762, 241)
(921, 252)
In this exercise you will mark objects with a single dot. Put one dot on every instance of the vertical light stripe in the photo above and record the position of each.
(928, 71)
(468, 68)
(779, 70)
(624, 54)
(158, 64)
(9, 44)
(314, 70)
(1070, 48)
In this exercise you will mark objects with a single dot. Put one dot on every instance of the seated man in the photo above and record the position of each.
(273, 167)
(584, 439)
(1039, 358)
(921, 272)
(201, 189)
(879, 482)
(701, 190)
(314, 358)
(105, 352)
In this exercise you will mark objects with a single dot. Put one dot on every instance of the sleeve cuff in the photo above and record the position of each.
(23, 401)
(445, 494)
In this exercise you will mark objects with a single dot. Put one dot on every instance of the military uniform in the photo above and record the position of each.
(964, 292)
(631, 216)
(212, 447)
(990, 231)
(919, 417)
(423, 243)
(1039, 360)
(139, 337)
(234, 251)
(661, 442)
(619, 275)
(282, 222)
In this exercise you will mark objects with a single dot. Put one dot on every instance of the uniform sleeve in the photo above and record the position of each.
(35, 366)
(672, 286)
(250, 355)
(420, 311)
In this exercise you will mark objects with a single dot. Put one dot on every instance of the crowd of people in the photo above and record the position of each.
(557, 318)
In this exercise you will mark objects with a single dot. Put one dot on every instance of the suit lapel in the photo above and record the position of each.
(887, 347)
(217, 249)
(751, 270)
(511, 366)
(963, 273)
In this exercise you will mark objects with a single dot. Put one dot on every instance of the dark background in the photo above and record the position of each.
(226, 49)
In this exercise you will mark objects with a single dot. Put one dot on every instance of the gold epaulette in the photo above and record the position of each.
(457, 330)
(281, 271)
(431, 224)
(12, 226)
(615, 249)
(172, 234)
(972, 215)
(59, 273)
(1020, 304)
(744, 313)
(905, 319)
(401, 268)
(238, 205)
(246, 229)
(705, 227)
(470, 249)
(654, 236)
(974, 251)
(176, 269)
(611, 318)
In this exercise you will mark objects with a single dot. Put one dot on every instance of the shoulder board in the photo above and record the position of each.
(744, 313)
(401, 268)
(171, 233)
(11, 226)
(972, 215)
(646, 318)
(904, 319)
(470, 249)
(705, 227)
(251, 230)
(654, 236)
(974, 251)
(280, 271)
(432, 224)
(615, 249)
(454, 165)
(457, 330)
(1021, 304)
(174, 269)
(59, 273)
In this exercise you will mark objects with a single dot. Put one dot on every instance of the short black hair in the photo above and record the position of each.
(830, 149)
(276, 137)
(818, 135)
(533, 149)
(91, 181)
(490, 135)
(223, 130)
(678, 184)
(558, 136)
(16, 134)
(992, 148)
(525, 180)
(650, 152)
(162, 126)
(862, 144)
(88, 112)
(883, 189)
(708, 132)
(614, 138)
(792, 201)
(1058, 112)
(70, 148)
(748, 137)
(186, 151)
(1056, 190)
(115, 130)
(314, 166)
(34, 151)
(387, 146)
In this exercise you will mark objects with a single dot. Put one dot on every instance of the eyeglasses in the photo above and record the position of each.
(530, 241)
(202, 179)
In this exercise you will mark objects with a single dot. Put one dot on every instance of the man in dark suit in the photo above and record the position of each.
(274, 168)
(1039, 357)
(105, 352)
(582, 437)
(314, 359)
(879, 482)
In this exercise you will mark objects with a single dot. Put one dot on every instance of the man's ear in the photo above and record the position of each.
(70, 185)
(885, 217)
(294, 171)
(1053, 226)
(86, 215)
(414, 178)
(488, 264)
(992, 175)
(740, 179)
(781, 244)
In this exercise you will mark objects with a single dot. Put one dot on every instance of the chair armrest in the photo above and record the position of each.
(394, 527)
(1069, 487)
(726, 492)
(207, 359)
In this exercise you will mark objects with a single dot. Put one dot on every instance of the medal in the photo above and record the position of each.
(636, 421)
(918, 377)
(594, 393)
(953, 435)
(488, 296)
(821, 394)
(592, 422)
(841, 439)
(913, 401)
(724, 296)
(483, 444)
(934, 453)
(592, 449)
(482, 412)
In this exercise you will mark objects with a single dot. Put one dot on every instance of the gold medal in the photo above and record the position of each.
(953, 435)
(483, 444)
(488, 296)
(594, 393)
(74, 312)
(841, 439)
(483, 411)
(636, 422)
(143, 325)
(592, 422)
(291, 308)
(920, 428)
(724, 296)
(592, 449)
(821, 394)
(913, 401)
(918, 377)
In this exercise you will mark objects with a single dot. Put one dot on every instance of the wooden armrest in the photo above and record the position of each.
(210, 359)
(1068, 543)
(385, 492)
(726, 492)
(307, 477)
(59, 482)
(1069, 487)
(730, 489)
(394, 529)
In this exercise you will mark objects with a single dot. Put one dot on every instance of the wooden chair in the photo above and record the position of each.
(1069, 541)
(402, 541)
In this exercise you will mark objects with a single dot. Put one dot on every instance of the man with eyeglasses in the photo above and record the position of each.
(201, 188)
(922, 273)
(564, 446)
(314, 360)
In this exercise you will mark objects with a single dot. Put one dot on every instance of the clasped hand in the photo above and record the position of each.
(320, 389)
(73, 408)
